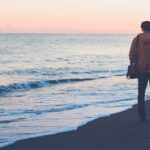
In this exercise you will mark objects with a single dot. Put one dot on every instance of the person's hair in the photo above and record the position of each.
(145, 25)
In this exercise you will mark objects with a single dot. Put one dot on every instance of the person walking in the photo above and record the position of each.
(139, 56)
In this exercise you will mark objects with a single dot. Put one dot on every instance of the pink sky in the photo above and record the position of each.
(73, 16)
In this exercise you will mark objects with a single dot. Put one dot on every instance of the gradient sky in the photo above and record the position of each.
(73, 16)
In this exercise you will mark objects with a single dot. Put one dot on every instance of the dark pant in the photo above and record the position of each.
(142, 84)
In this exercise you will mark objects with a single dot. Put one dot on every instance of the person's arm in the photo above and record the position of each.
(132, 52)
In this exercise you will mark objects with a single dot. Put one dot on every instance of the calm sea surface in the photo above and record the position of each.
(52, 83)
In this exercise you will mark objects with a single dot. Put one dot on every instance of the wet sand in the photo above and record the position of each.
(121, 131)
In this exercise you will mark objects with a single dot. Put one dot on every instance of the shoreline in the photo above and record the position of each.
(120, 131)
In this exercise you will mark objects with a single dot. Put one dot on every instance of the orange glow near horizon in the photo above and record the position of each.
(73, 16)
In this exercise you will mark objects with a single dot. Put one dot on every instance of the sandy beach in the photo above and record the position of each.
(118, 131)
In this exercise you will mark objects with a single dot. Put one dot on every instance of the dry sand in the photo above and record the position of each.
(121, 131)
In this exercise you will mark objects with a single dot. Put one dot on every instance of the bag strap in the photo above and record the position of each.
(137, 41)
(136, 49)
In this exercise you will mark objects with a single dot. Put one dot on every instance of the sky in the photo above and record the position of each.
(73, 16)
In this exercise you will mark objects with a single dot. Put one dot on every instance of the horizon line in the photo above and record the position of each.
(62, 33)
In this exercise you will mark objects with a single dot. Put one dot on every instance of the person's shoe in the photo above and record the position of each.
(142, 119)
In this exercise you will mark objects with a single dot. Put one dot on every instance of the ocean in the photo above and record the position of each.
(52, 83)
